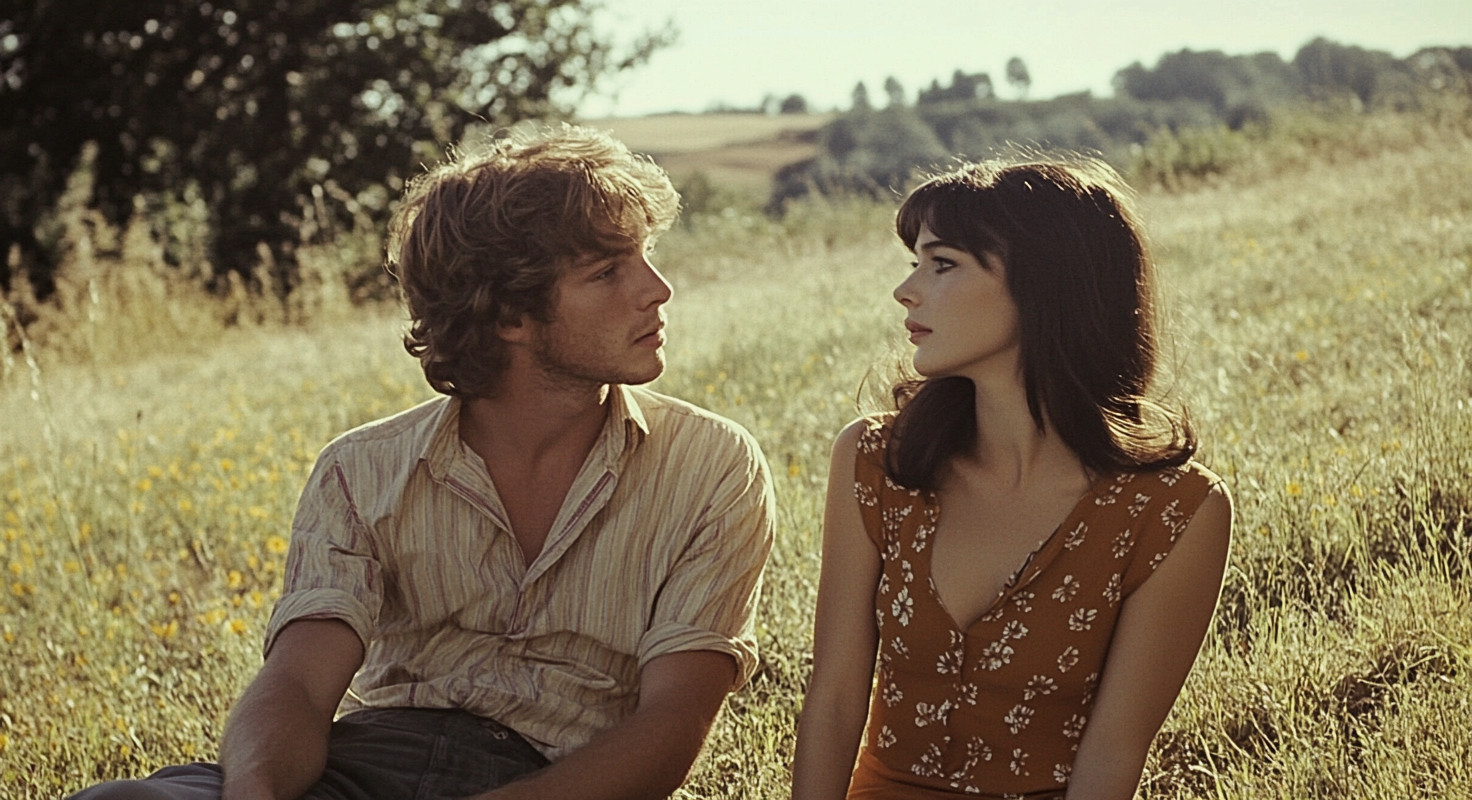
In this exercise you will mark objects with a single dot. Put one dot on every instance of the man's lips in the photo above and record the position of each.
(655, 336)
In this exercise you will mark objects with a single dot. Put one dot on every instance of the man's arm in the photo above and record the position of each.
(1155, 642)
(649, 754)
(275, 742)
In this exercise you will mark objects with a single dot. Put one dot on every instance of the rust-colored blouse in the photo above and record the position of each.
(997, 710)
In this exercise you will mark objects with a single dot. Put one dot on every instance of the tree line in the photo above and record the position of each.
(874, 150)
(233, 134)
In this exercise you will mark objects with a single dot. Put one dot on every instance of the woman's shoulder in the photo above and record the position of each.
(862, 445)
(1190, 479)
(1170, 495)
(867, 435)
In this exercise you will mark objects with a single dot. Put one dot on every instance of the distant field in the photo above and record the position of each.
(738, 150)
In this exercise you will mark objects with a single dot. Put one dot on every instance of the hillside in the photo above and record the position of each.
(737, 150)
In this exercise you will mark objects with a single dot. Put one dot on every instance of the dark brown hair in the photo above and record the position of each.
(1079, 271)
(481, 240)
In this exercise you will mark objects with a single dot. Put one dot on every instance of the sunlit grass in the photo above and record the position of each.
(1321, 323)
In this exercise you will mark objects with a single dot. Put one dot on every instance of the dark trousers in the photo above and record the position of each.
(376, 754)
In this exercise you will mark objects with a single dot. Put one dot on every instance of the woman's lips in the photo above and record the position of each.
(917, 331)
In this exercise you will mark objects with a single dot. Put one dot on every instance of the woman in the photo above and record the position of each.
(1026, 551)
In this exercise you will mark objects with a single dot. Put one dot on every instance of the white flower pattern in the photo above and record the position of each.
(1017, 718)
(1039, 685)
(1069, 659)
(939, 689)
(1123, 543)
(885, 738)
(1076, 537)
(902, 606)
(1019, 762)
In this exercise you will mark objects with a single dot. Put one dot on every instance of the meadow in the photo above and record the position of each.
(1319, 319)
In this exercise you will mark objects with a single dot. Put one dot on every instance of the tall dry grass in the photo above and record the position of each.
(1320, 332)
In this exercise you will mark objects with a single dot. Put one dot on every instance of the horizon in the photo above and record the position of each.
(733, 58)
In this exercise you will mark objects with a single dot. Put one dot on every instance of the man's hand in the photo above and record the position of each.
(649, 754)
(275, 742)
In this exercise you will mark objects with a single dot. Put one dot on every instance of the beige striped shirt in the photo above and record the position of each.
(657, 549)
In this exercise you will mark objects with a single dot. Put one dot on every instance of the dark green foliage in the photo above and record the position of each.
(870, 154)
(1177, 109)
(1018, 76)
(793, 104)
(255, 103)
(1328, 68)
(1221, 81)
(964, 87)
(895, 91)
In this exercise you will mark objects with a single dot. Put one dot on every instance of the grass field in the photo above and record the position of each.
(738, 151)
(1320, 330)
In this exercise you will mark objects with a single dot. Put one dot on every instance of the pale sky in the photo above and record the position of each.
(737, 51)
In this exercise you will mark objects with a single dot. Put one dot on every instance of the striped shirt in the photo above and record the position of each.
(658, 548)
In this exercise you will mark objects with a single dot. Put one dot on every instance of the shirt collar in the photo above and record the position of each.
(623, 432)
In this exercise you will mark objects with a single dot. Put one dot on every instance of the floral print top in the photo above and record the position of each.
(998, 709)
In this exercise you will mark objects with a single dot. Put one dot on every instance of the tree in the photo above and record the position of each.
(1328, 68)
(861, 97)
(1018, 76)
(794, 104)
(895, 91)
(964, 86)
(873, 153)
(256, 102)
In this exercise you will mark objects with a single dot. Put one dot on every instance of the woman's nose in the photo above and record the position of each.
(904, 293)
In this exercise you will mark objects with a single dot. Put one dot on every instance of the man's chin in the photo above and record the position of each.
(640, 377)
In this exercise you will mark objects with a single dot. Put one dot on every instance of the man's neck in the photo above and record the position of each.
(522, 427)
(534, 444)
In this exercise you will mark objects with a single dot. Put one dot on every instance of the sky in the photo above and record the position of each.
(734, 52)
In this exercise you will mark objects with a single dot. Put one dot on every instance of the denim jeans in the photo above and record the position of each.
(375, 754)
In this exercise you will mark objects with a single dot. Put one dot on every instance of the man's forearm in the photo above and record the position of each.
(648, 756)
(274, 746)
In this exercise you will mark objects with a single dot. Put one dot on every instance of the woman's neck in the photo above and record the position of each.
(1011, 448)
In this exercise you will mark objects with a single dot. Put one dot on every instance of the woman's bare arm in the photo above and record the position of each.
(844, 639)
(1155, 642)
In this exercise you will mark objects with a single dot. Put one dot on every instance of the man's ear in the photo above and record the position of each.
(516, 332)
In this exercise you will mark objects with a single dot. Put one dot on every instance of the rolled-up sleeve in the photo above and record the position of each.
(709, 600)
(332, 570)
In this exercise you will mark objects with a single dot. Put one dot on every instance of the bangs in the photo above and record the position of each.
(956, 207)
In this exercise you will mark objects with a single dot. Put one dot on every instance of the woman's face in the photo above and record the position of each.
(961, 316)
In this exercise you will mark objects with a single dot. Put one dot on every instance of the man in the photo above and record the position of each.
(540, 585)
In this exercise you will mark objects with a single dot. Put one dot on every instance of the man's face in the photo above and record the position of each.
(607, 321)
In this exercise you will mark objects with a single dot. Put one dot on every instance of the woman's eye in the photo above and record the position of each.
(943, 264)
